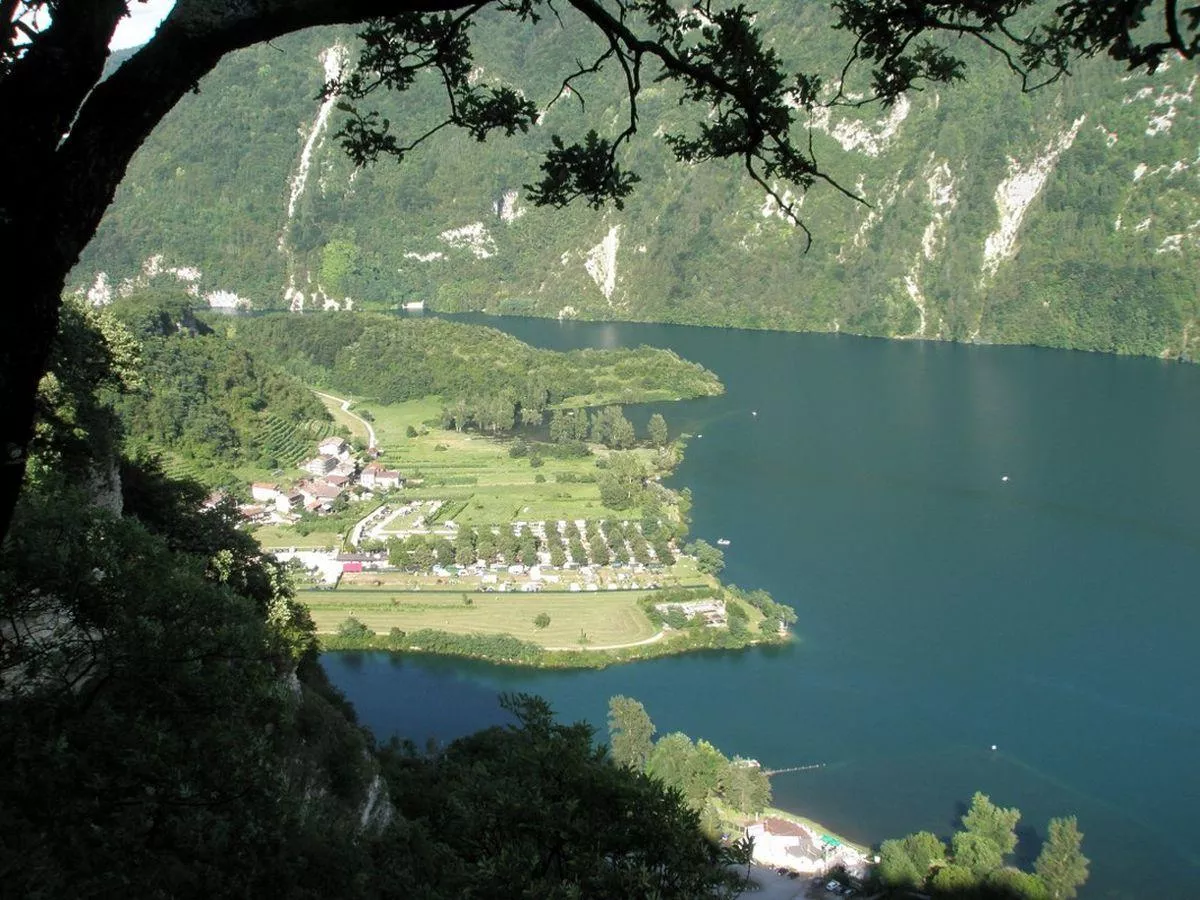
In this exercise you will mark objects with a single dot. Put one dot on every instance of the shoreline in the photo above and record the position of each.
(816, 826)
(515, 652)
(787, 842)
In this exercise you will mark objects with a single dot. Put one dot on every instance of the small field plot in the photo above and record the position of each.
(475, 473)
(392, 421)
(274, 537)
(605, 618)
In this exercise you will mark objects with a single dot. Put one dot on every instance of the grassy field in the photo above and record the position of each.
(477, 471)
(279, 536)
(391, 420)
(605, 617)
(682, 574)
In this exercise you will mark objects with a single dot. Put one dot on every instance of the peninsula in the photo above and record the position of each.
(510, 549)
(488, 499)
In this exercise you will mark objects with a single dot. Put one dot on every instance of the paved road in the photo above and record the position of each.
(345, 404)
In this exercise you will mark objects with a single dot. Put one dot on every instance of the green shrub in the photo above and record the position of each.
(353, 629)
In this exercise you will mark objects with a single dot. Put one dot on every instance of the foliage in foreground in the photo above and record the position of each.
(166, 730)
(702, 775)
(537, 809)
(974, 864)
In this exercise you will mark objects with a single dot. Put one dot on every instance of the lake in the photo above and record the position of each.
(942, 609)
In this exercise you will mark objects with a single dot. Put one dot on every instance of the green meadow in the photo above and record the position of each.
(474, 473)
(605, 617)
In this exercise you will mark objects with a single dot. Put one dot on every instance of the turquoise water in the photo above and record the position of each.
(942, 609)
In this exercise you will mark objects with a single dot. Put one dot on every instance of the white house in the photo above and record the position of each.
(333, 446)
(263, 492)
(377, 477)
(320, 465)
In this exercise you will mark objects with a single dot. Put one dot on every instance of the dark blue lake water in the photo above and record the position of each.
(942, 609)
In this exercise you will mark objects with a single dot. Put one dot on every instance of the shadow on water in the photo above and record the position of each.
(1029, 845)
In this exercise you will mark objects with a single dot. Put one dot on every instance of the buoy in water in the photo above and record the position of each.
(754, 412)
(1004, 478)
(993, 746)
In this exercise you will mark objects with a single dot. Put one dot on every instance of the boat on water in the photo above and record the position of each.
(724, 542)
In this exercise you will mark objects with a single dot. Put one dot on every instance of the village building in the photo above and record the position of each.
(213, 500)
(286, 501)
(712, 611)
(320, 465)
(790, 845)
(251, 510)
(319, 490)
(345, 468)
(377, 477)
(362, 556)
(262, 492)
(333, 446)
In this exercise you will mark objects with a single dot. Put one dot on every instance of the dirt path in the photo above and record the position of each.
(345, 406)
(650, 640)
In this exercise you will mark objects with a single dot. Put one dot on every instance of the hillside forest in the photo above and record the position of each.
(1063, 217)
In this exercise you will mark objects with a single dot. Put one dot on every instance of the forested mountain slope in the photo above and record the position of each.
(1066, 217)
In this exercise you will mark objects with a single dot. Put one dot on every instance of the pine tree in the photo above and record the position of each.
(993, 822)
(1061, 864)
(631, 732)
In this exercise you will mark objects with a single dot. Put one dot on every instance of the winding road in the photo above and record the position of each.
(650, 640)
(345, 407)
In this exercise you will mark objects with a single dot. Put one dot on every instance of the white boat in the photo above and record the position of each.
(723, 542)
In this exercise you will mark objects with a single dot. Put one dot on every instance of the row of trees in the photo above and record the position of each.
(353, 634)
(975, 859)
(607, 426)
(505, 412)
(606, 542)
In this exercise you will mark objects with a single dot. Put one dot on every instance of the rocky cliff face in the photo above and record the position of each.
(1066, 217)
